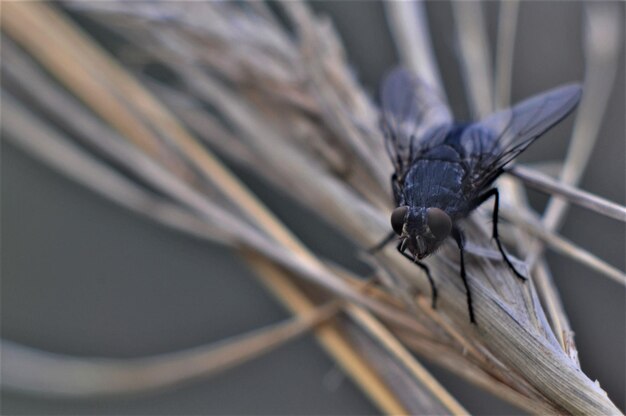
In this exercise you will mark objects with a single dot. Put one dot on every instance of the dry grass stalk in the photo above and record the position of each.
(475, 56)
(329, 336)
(30, 370)
(574, 195)
(605, 42)
(413, 40)
(602, 45)
(300, 119)
(507, 29)
(602, 40)
(533, 226)
(475, 64)
(67, 158)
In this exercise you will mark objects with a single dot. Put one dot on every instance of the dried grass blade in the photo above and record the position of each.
(51, 45)
(480, 66)
(602, 49)
(476, 59)
(33, 371)
(329, 337)
(397, 350)
(41, 17)
(507, 29)
(563, 246)
(574, 195)
(229, 225)
(409, 28)
(311, 39)
(477, 376)
(603, 45)
(514, 340)
(475, 63)
(44, 143)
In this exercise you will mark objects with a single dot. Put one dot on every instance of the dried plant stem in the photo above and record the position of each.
(34, 371)
(240, 234)
(603, 44)
(561, 245)
(70, 160)
(476, 376)
(507, 29)
(330, 102)
(512, 349)
(475, 64)
(495, 380)
(574, 195)
(208, 165)
(78, 166)
(397, 350)
(45, 145)
(474, 51)
(473, 68)
(551, 168)
(458, 364)
(409, 28)
(328, 335)
(545, 285)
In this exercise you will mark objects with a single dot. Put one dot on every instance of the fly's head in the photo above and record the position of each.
(421, 229)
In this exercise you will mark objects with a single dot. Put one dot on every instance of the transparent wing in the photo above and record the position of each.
(414, 117)
(502, 136)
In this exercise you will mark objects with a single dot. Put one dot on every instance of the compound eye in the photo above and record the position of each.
(439, 223)
(397, 219)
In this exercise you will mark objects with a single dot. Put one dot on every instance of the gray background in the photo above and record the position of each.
(83, 276)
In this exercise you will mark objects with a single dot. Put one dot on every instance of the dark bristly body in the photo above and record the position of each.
(444, 170)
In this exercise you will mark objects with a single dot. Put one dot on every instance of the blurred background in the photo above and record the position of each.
(82, 276)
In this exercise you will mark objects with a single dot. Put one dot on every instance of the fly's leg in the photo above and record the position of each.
(401, 249)
(397, 194)
(483, 198)
(460, 241)
(382, 244)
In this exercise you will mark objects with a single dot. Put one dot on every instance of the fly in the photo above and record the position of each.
(444, 170)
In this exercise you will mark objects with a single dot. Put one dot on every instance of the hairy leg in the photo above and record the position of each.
(401, 249)
(458, 236)
(383, 243)
(496, 205)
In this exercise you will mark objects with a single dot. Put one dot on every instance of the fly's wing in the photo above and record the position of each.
(496, 140)
(414, 117)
